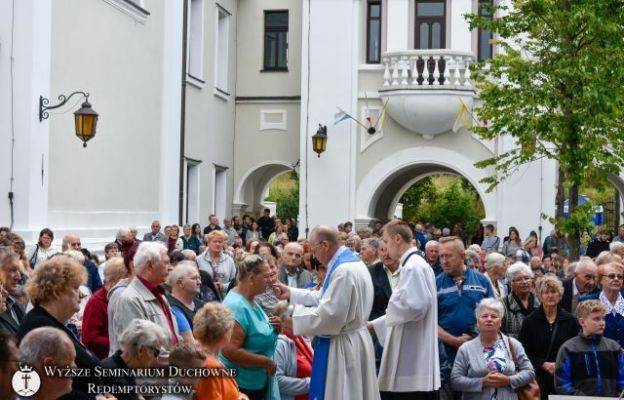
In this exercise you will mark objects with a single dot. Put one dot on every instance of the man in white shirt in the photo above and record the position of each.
(410, 365)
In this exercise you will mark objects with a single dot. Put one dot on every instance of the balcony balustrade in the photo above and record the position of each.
(423, 88)
(445, 69)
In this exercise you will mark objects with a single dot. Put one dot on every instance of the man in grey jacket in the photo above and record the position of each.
(155, 235)
(144, 298)
(291, 273)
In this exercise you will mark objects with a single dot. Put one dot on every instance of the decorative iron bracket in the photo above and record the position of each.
(44, 101)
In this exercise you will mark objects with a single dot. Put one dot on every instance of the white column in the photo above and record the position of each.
(397, 29)
(171, 113)
(30, 79)
(460, 38)
(332, 69)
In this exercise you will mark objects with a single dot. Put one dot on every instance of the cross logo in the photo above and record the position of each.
(26, 381)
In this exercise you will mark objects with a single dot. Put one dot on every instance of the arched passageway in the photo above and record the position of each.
(380, 190)
(252, 188)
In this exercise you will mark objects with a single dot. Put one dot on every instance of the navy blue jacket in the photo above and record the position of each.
(94, 282)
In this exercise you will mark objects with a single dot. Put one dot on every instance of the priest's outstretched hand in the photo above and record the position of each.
(281, 291)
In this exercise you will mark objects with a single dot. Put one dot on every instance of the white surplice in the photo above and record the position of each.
(409, 331)
(341, 313)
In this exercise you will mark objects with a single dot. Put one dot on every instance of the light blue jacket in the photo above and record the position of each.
(286, 359)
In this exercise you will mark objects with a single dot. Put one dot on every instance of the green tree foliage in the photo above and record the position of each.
(443, 203)
(284, 191)
(556, 88)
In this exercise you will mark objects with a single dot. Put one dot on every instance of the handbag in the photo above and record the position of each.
(33, 258)
(530, 391)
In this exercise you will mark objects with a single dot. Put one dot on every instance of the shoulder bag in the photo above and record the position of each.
(530, 391)
(33, 258)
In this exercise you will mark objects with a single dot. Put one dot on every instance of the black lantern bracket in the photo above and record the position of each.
(44, 101)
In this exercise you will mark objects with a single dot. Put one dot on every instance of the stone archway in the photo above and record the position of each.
(252, 187)
(382, 187)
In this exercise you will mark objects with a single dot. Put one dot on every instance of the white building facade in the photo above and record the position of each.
(203, 103)
(368, 173)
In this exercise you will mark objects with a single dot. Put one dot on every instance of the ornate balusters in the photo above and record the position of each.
(404, 68)
(447, 69)
(386, 74)
(415, 74)
(395, 71)
(436, 71)
(426, 73)
(428, 69)
(467, 80)
(457, 75)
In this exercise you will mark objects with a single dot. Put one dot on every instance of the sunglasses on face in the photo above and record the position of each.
(613, 276)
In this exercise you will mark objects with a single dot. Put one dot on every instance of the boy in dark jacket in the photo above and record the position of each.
(589, 364)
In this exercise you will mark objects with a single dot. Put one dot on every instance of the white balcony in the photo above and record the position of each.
(424, 87)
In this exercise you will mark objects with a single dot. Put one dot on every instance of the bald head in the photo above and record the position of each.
(325, 233)
(71, 241)
(49, 346)
(292, 256)
(586, 275)
(123, 233)
(45, 343)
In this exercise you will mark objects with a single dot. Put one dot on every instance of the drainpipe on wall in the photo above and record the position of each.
(183, 112)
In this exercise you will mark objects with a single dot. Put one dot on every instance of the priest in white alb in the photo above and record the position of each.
(410, 364)
(344, 359)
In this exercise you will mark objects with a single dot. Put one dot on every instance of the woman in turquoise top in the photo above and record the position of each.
(254, 337)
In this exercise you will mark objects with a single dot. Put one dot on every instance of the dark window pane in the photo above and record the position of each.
(483, 12)
(424, 36)
(276, 39)
(485, 50)
(270, 46)
(430, 10)
(277, 19)
(375, 10)
(436, 35)
(373, 42)
(282, 51)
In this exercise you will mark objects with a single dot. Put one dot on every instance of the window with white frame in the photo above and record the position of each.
(484, 48)
(195, 66)
(222, 42)
(430, 24)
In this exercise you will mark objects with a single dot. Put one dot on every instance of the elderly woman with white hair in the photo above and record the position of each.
(141, 343)
(492, 365)
(495, 271)
(369, 251)
(521, 301)
(545, 330)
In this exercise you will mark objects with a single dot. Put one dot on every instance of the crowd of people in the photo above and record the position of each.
(394, 311)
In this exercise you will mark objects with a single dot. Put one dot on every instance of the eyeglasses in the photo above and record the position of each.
(613, 276)
(156, 350)
(522, 279)
(315, 246)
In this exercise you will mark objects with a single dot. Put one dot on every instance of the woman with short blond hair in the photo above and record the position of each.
(216, 262)
(54, 291)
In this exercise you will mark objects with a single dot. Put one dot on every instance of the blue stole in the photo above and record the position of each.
(321, 343)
